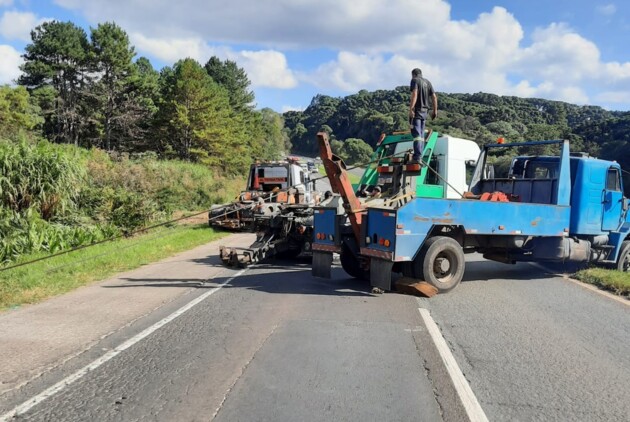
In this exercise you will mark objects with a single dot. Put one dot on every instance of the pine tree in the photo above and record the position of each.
(119, 112)
(196, 121)
(55, 72)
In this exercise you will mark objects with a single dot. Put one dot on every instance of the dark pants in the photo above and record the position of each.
(417, 131)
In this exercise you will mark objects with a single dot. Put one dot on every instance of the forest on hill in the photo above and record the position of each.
(480, 117)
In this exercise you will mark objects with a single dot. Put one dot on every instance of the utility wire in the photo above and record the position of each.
(155, 236)
(109, 239)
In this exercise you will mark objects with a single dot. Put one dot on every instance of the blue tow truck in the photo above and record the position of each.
(565, 207)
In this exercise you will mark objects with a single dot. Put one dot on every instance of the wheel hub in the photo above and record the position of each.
(442, 266)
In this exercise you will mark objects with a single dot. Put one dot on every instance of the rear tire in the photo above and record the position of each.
(351, 264)
(442, 262)
(623, 262)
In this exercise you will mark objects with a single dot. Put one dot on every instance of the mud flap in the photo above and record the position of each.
(322, 262)
(381, 273)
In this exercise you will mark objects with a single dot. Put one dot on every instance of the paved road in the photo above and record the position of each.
(273, 344)
(276, 344)
(537, 347)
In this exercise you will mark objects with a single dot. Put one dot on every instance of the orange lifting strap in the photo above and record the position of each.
(494, 197)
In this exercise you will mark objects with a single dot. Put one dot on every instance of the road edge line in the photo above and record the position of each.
(469, 400)
(59, 386)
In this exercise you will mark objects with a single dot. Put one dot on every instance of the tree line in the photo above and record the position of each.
(94, 92)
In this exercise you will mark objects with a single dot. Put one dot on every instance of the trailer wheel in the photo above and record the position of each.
(351, 264)
(442, 262)
(623, 262)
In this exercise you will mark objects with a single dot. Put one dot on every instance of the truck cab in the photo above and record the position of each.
(272, 182)
(453, 158)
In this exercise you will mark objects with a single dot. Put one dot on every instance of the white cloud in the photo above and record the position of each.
(560, 54)
(286, 108)
(351, 72)
(607, 9)
(18, 25)
(267, 69)
(618, 97)
(171, 50)
(10, 61)
(464, 56)
(6, 3)
(370, 24)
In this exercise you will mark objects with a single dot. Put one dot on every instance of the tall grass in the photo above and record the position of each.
(55, 197)
(40, 177)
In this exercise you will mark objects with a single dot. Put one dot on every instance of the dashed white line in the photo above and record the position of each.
(471, 404)
(51, 391)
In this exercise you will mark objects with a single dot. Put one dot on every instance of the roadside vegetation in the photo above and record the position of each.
(615, 281)
(57, 197)
(60, 274)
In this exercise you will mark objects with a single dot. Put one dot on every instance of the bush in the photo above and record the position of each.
(41, 176)
(28, 233)
(55, 197)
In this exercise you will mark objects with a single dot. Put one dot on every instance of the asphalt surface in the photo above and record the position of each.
(276, 344)
(537, 347)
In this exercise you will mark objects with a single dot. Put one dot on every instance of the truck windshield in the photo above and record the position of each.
(396, 149)
(267, 179)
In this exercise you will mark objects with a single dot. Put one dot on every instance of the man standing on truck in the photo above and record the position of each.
(421, 90)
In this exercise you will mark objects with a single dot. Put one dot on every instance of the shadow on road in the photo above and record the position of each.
(488, 270)
(294, 277)
(276, 277)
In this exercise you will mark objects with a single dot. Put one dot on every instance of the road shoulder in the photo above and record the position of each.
(38, 338)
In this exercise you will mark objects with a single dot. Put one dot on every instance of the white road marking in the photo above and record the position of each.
(49, 392)
(471, 404)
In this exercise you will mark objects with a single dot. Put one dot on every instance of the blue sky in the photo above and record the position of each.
(573, 51)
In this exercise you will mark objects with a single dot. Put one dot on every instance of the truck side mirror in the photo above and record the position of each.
(625, 204)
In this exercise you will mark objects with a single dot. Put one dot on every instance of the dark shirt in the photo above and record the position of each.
(425, 92)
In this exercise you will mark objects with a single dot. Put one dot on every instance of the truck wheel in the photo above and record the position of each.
(351, 264)
(442, 262)
(623, 263)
